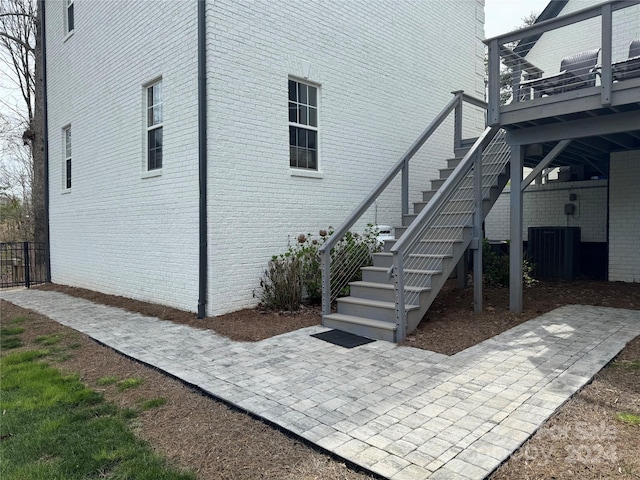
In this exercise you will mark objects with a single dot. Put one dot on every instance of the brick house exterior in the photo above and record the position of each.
(122, 80)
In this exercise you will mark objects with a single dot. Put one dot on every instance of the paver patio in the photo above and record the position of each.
(401, 412)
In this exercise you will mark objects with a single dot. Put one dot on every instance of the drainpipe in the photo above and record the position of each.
(202, 159)
(45, 143)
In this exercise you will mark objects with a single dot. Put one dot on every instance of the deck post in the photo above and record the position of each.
(515, 247)
(606, 80)
(493, 114)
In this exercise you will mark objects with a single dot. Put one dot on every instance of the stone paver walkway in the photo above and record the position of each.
(400, 412)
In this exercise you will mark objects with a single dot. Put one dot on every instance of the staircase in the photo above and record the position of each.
(371, 308)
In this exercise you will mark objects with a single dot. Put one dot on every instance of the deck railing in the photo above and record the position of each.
(334, 281)
(517, 61)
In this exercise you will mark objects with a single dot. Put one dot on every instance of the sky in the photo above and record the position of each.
(502, 16)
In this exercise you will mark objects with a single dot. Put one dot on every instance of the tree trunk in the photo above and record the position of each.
(38, 191)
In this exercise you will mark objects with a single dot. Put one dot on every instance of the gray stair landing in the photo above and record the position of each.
(401, 412)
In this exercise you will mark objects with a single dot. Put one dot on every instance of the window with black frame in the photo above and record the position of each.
(303, 125)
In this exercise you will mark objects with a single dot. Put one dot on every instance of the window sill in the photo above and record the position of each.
(306, 173)
(65, 191)
(152, 173)
(68, 36)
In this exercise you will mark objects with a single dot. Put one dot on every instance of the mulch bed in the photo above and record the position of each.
(449, 326)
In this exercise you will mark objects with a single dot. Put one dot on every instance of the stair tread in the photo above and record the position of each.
(368, 322)
(387, 286)
(386, 269)
(422, 255)
(375, 303)
(441, 240)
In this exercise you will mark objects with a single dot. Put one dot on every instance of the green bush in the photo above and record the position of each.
(282, 283)
(496, 268)
(296, 275)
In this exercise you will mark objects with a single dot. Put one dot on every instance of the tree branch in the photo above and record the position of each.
(20, 42)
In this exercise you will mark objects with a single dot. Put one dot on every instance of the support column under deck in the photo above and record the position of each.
(516, 223)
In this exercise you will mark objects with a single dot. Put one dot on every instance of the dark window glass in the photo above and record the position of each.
(155, 148)
(313, 117)
(302, 93)
(313, 97)
(293, 91)
(302, 115)
(293, 113)
(69, 18)
(68, 173)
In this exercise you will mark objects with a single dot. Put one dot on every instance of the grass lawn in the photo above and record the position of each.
(54, 427)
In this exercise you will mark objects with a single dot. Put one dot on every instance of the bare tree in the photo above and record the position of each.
(22, 172)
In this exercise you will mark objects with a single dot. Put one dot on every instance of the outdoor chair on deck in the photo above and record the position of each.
(576, 71)
(629, 68)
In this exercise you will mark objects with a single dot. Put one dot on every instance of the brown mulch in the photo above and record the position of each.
(449, 326)
(249, 325)
(583, 439)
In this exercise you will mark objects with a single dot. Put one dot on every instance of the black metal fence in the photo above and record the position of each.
(22, 264)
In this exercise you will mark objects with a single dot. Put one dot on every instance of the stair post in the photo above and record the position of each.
(476, 242)
(398, 282)
(457, 120)
(405, 187)
(325, 258)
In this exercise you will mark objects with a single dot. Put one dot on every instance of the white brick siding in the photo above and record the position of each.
(543, 206)
(384, 70)
(624, 222)
(115, 231)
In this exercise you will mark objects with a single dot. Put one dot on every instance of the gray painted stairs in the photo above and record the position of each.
(369, 311)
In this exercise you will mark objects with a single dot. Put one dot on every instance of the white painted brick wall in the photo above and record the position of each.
(624, 222)
(117, 232)
(543, 205)
(385, 70)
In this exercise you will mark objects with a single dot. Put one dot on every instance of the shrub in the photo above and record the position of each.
(282, 283)
(296, 274)
(496, 268)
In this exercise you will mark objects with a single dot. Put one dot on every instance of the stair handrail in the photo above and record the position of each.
(401, 164)
(414, 232)
(411, 234)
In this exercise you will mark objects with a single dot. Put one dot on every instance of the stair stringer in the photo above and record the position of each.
(414, 317)
(368, 316)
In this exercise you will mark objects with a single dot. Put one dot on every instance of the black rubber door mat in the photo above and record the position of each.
(342, 339)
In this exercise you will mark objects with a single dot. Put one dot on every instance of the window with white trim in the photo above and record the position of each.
(66, 135)
(68, 16)
(154, 126)
(303, 125)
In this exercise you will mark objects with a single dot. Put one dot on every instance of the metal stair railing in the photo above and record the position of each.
(456, 207)
(338, 270)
